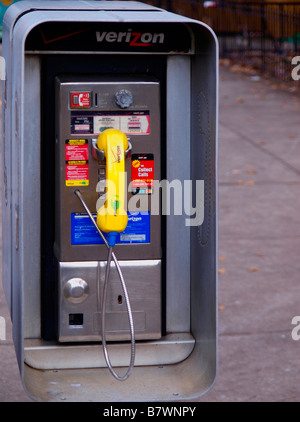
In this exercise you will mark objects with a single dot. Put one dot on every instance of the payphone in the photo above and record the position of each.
(103, 102)
(85, 110)
(96, 164)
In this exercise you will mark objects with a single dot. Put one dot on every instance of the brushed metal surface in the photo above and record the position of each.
(170, 349)
(146, 95)
(143, 281)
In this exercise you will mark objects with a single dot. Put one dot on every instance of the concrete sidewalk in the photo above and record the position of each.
(259, 247)
(259, 241)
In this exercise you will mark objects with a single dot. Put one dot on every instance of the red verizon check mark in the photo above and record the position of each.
(61, 37)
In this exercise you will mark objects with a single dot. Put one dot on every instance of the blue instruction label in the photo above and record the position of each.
(83, 232)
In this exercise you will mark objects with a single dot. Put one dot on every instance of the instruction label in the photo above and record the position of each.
(83, 231)
(80, 99)
(77, 162)
(129, 122)
(142, 173)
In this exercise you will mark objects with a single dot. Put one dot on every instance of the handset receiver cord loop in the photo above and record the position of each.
(111, 255)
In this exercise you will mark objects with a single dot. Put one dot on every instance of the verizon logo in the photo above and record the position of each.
(134, 39)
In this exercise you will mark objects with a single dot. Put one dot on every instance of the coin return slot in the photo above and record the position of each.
(75, 319)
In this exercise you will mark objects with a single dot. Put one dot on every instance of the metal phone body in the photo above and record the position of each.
(84, 108)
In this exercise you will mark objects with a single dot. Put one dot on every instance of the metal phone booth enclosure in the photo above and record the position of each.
(77, 72)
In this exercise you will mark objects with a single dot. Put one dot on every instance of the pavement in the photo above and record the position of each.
(259, 246)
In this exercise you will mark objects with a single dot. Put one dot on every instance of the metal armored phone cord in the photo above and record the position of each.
(111, 256)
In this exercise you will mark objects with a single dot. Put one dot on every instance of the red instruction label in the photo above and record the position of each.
(142, 173)
(77, 164)
(80, 99)
(77, 149)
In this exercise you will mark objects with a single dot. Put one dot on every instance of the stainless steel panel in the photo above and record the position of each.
(143, 281)
(178, 168)
(146, 97)
(170, 349)
(31, 193)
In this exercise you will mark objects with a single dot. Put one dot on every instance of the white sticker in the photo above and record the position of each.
(132, 124)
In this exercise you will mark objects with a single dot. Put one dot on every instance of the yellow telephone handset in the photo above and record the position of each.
(112, 217)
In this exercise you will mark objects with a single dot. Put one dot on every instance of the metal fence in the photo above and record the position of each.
(264, 35)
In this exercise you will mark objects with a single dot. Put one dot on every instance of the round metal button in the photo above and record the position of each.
(76, 290)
